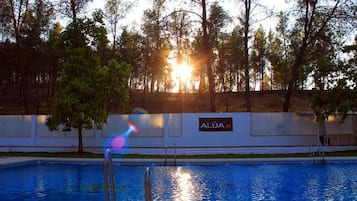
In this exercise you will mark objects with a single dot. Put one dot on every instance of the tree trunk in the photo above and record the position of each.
(24, 88)
(246, 55)
(262, 74)
(309, 38)
(322, 131)
(80, 140)
(287, 98)
(207, 59)
(293, 77)
(24, 77)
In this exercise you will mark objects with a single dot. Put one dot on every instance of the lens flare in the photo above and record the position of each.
(132, 128)
(119, 143)
(139, 111)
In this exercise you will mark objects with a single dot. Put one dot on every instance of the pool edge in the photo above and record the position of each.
(9, 161)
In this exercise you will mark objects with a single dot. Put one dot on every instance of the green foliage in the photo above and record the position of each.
(336, 87)
(113, 82)
(156, 46)
(321, 104)
(258, 54)
(336, 101)
(85, 32)
(83, 91)
(217, 19)
(317, 22)
(279, 59)
(75, 104)
(84, 88)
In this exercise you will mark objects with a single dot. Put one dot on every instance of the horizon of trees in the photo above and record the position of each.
(307, 48)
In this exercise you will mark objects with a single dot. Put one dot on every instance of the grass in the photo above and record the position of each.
(209, 156)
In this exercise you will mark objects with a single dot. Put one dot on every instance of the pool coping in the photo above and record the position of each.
(9, 161)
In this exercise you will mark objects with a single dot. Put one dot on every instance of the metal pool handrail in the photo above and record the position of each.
(109, 183)
(147, 183)
(319, 148)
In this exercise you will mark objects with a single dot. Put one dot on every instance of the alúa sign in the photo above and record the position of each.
(215, 124)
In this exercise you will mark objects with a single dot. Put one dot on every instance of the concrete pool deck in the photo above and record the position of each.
(14, 160)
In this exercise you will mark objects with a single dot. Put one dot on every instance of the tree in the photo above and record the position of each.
(236, 56)
(279, 63)
(72, 8)
(131, 52)
(335, 83)
(279, 53)
(313, 17)
(84, 91)
(156, 46)
(5, 20)
(216, 21)
(84, 88)
(204, 51)
(345, 92)
(196, 54)
(17, 10)
(208, 57)
(245, 20)
(115, 10)
(34, 41)
(223, 68)
(54, 53)
(180, 29)
(258, 54)
(341, 95)
(26, 23)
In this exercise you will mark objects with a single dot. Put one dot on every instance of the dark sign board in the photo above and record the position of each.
(215, 124)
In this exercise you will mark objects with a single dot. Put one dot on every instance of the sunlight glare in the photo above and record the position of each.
(185, 186)
(182, 71)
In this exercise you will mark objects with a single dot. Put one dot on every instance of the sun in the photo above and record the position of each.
(182, 72)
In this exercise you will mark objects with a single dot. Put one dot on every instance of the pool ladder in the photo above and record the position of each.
(319, 150)
(318, 155)
(147, 183)
(109, 183)
(166, 160)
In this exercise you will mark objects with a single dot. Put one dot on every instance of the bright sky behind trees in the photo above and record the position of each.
(134, 17)
(264, 15)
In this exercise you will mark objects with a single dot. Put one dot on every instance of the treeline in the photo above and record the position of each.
(307, 48)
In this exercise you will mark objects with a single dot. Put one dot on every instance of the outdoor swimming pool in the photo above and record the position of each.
(52, 181)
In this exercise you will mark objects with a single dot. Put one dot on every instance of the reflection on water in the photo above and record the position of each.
(187, 186)
(178, 183)
(255, 182)
(267, 184)
(183, 185)
(40, 189)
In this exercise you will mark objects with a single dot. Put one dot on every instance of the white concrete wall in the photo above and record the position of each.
(179, 134)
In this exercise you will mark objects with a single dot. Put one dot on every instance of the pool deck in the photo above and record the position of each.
(5, 161)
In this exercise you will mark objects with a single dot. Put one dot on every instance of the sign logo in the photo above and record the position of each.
(215, 124)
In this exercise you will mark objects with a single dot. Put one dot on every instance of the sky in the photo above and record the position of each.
(134, 17)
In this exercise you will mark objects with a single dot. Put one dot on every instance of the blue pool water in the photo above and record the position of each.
(67, 182)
